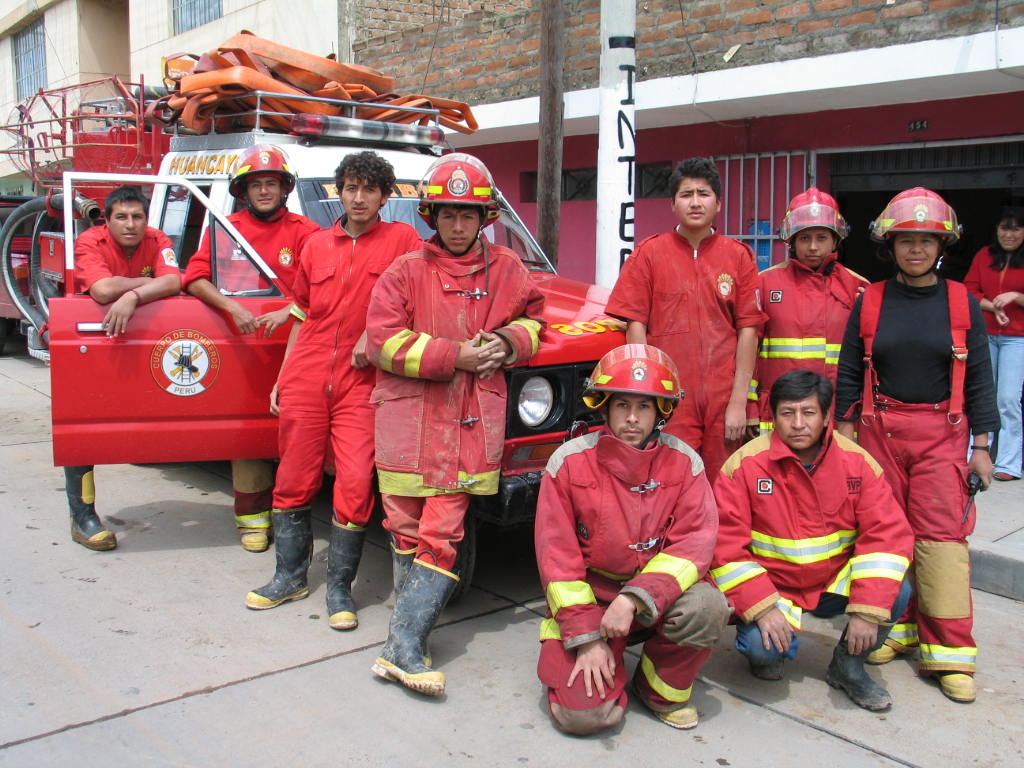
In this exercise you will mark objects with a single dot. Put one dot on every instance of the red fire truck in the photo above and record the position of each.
(129, 400)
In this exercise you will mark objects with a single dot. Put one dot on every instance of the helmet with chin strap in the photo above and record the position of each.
(457, 179)
(917, 210)
(813, 208)
(262, 159)
(635, 369)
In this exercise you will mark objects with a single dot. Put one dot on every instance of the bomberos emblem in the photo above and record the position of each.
(920, 213)
(284, 258)
(639, 371)
(185, 362)
(725, 283)
(458, 184)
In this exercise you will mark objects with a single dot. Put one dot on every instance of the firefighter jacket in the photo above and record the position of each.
(788, 534)
(807, 312)
(438, 429)
(615, 519)
(98, 256)
(279, 242)
(335, 276)
(985, 282)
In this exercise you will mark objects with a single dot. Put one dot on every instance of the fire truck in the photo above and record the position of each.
(131, 399)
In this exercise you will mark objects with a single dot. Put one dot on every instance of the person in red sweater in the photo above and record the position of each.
(694, 294)
(807, 299)
(996, 278)
(625, 530)
(262, 182)
(808, 523)
(323, 391)
(123, 263)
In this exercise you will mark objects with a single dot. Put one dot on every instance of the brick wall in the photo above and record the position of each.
(490, 56)
(378, 19)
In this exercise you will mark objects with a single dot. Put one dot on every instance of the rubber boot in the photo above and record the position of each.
(293, 547)
(86, 528)
(417, 609)
(847, 673)
(401, 562)
(342, 563)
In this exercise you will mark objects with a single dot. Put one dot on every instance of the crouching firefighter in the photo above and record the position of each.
(809, 523)
(625, 531)
(443, 322)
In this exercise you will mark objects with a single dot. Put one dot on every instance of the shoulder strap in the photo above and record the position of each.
(959, 324)
(870, 311)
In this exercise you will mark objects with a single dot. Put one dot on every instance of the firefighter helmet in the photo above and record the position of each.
(917, 210)
(262, 159)
(457, 179)
(813, 208)
(636, 369)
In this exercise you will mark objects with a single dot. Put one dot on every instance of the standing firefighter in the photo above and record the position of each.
(625, 530)
(123, 264)
(915, 382)
(807, 299)
(442, 323)
(323, 391)
(262, 181)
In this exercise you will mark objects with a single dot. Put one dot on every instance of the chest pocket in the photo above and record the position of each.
(320, 289)
(672, 308)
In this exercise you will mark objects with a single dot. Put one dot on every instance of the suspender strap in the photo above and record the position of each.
(870, 311)
(959, 324)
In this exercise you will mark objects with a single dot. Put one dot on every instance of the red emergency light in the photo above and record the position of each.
(355, 129)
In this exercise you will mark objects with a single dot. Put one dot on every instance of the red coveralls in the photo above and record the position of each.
(693, 304)
(787, 535)
(97, 256)
(611, 520)
(321, 396)
(279, 243)
(807, 312)
(440, 432)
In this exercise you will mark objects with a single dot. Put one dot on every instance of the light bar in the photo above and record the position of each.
(355, 129)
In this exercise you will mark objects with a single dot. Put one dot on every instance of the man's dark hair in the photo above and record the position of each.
(799, 385)
(126, 194)
(696, 168)
(368, 167)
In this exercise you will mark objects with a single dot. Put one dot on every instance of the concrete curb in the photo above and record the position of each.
(998, 568)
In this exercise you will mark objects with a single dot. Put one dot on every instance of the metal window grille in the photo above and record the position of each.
(30, 59)
(189, 14)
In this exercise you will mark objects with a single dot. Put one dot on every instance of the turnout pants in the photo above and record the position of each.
(922, 454)
(429, 526)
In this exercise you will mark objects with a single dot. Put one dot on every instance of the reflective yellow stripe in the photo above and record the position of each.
(943, 654)
(904, 634)
(297, 313)
(766, 426)
(841, 583)
(793, 613)
(256, 520)
(812, 348)
(659, 686)
(549, 630)
(88, 488)
(832, 353)
(879, 565)
(682, 570)
(813, 550)
(731, 575)
(610, 575)
(752, 390)
(348, 526)
(533, 328)
(562, 594)
(434, 189)
(479, 191)
(414, 356)
(391, 347)
(412, 484)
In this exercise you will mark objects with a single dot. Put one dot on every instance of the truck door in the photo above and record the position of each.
(183, 384)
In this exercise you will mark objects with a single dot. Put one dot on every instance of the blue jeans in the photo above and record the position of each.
(1007, 354)
(750, 644)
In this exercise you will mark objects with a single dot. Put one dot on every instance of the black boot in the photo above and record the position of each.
(847, 672)
(417, 609)
(401, 562)
(293, 547)
(86, 528)
(342, 563)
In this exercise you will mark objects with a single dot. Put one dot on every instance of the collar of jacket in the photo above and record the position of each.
(457, 266)
(623, 461)
(822, 270)
(339, 228)
(779, 451)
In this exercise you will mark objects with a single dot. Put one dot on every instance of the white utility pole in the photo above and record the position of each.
(616, 151)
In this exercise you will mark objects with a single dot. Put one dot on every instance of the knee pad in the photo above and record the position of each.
(943, 579)
(698, 618)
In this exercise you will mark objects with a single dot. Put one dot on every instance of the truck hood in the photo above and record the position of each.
(578, 329)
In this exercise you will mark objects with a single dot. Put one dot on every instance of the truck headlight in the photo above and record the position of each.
(536, 399)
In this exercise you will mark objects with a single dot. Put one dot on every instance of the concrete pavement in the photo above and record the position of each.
(146, 655)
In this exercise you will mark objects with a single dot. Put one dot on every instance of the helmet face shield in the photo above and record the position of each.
(813, 208)
(636, 369)
(917, 210)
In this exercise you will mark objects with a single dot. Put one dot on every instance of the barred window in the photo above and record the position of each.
(30, 59)
(189, 14)
(581, 183)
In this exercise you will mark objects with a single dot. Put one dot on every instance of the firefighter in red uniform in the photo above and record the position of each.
(808, 523)
(807, 299)
(915, 382)
(625, 530)
(124, 264)
(262, 182)
(694, 294)
(442, 323)
(323, 391)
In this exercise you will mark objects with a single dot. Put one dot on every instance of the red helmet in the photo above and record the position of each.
(637, 369)
(264, 159)
(813, 208)
(917, 210)
(457, 179)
